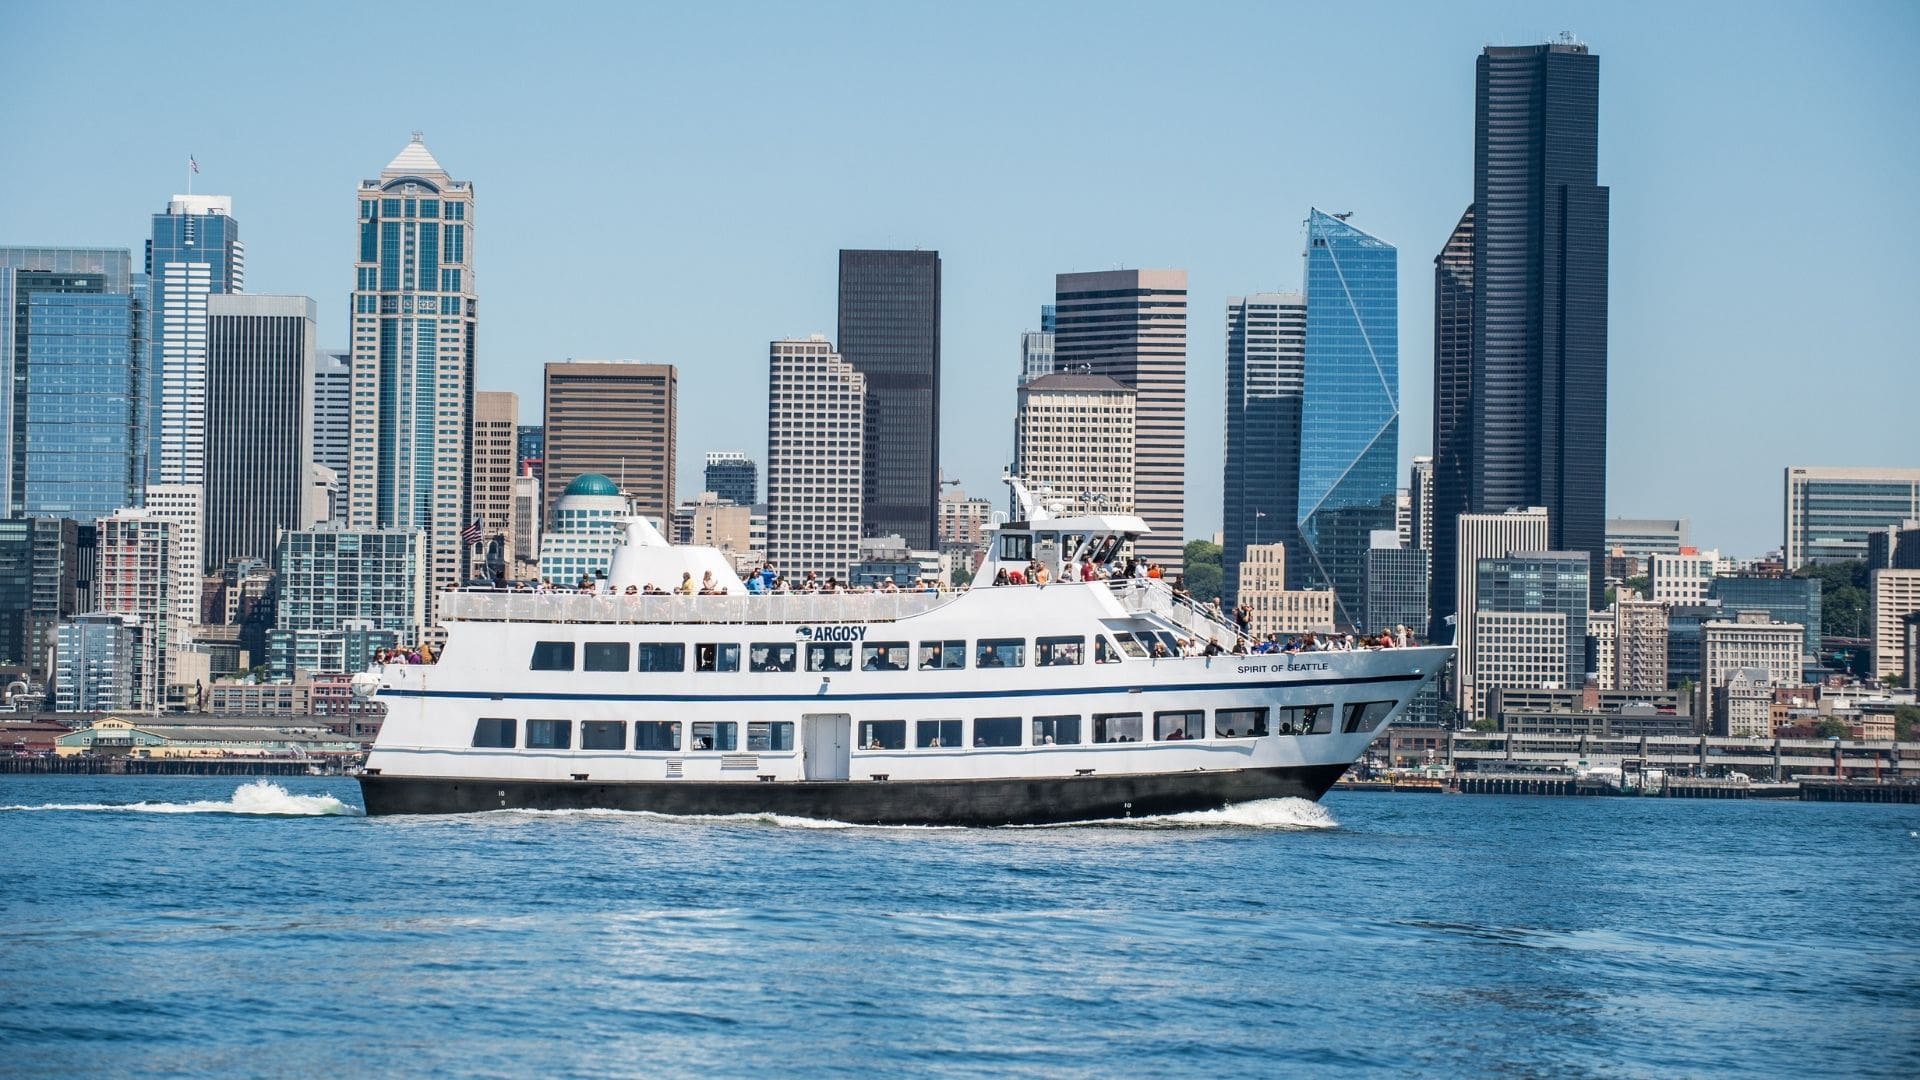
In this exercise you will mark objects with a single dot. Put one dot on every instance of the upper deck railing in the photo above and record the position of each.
(841, 607)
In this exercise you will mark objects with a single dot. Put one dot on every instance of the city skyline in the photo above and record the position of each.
(1681, 161)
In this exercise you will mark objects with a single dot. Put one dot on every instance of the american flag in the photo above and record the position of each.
(192, 164)
(473, 533)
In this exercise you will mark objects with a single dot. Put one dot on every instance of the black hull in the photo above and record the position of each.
(878, 802)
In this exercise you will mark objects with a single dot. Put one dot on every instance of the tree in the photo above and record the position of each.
(961, 577)
(1203, 570)
(1830, 728)
(1905, 719)
(1483, 724)
(1202, 551)
(1843, 596)
(1636, 584)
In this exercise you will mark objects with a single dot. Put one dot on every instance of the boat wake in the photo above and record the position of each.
(261, 798)
(1290, 814)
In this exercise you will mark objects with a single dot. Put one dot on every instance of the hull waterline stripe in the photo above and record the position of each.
(1265, 684)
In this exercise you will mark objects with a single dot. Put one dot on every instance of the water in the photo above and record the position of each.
(202, 926)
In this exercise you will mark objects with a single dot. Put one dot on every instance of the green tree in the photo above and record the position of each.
(1830, 728)
(1202, 551)
(1905, 719)
(1843, 596)
(962, 577)
(1483, 724)
(1203, 570)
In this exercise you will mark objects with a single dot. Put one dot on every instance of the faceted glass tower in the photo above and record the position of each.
(1350, 417)
(194, 253)
(1266, 368)
(414, 313)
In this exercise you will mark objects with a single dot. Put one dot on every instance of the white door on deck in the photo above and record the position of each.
(824, 745)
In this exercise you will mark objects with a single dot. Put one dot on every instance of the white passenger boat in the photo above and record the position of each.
(994, 705)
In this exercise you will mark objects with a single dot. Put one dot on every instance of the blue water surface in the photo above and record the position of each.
(227, 928)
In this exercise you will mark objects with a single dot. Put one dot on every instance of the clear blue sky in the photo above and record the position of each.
(672, 184)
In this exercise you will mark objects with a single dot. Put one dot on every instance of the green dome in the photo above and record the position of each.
(591, 483)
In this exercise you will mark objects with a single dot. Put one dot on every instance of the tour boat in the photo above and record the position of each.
(1073, 700)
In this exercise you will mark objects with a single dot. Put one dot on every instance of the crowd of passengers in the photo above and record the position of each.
(765, 581)
(406, 654)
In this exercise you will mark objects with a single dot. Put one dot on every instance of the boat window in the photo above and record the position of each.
(1059, 651)
(1117, 727)
(942, 655)
(1306, 720)
(770, 735)
(930, 734)
(883, 735)
(1239, 723)
(1130, 646)
(996, 731)
(1104, 652)
(1170, 641)
(493, 732)
(549, 734)
(883, 656)
(605, 656)
(1016, 546)
(1056, 731)
(717, 656)
(603, 735)
(716, 735)
(830, 656)
(1180, 725)
(661, 656)
(552, 656)
(1001, 653)
(1366, 715)
(771, 656)
(656, 735)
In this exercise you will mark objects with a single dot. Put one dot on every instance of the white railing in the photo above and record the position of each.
(1157, 598)
(489, 606)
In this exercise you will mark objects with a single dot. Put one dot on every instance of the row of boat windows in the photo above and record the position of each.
(1067, 729)
(1064, 650)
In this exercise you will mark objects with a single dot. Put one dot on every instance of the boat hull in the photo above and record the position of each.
(1009, 801)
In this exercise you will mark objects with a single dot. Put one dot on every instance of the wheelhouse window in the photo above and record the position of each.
(656, 735)
(1240, 723)
(661, 656)
(605, 656)
(770, 736)
(996, 731)
(1180, 725)
(603, 735)
(552, 656)
(1104, 652)
(1133, 646)
(937, 734)
(717, 656)
(942, 655)
(830, 656)
(1117, 727)
(494, 733)
(1016, 547)
(1060, 651)
(883, 656)
(772, 656)
(1306, 720)
(549, 734)
(883, 735)
(1366, 715)
(1001, 653)
(1056, 731)
(716, 735)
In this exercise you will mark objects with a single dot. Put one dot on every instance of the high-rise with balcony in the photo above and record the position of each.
(1266, 367)
(1350, 417)
(71, 350)
(415, 311)
(617, 418)
(1131, 326)
(194, 252)
(259, 442)
(816, 439)
(889, 331)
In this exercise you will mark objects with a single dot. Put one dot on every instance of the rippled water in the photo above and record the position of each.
(207, 927)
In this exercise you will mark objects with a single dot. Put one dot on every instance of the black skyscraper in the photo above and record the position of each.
(890, 332)
(1452, 415)
(1536, 411)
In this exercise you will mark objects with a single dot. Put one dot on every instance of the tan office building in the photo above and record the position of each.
(617, 418)
(1073, 441)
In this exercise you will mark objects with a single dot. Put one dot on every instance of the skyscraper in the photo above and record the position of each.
(1486, 536)
(1830, 511)
(1539, 584)
(1036, 348)
(1073, 440)
(1131, 326)
(1350, 420)
(136, 579)
(333, 420)
(1539, 382)
(1420, 490)
(194, 253)
(890, 333)
(1452, 415)
(71, 350)
(260, 355)
(733, 476)
(1266, 367)
(496, 421)
(618, 418)
(816, 439)
(414, 317)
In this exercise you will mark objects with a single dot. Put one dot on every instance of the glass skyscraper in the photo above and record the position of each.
(1350, 416)
(194, 253)
(70, 386)
(1266, 367)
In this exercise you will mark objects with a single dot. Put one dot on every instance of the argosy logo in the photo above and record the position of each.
(831, 633)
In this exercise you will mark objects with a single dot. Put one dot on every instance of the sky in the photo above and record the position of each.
(673, 184)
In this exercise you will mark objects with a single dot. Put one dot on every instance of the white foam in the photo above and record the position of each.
(1287, 813)
(261, 798)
